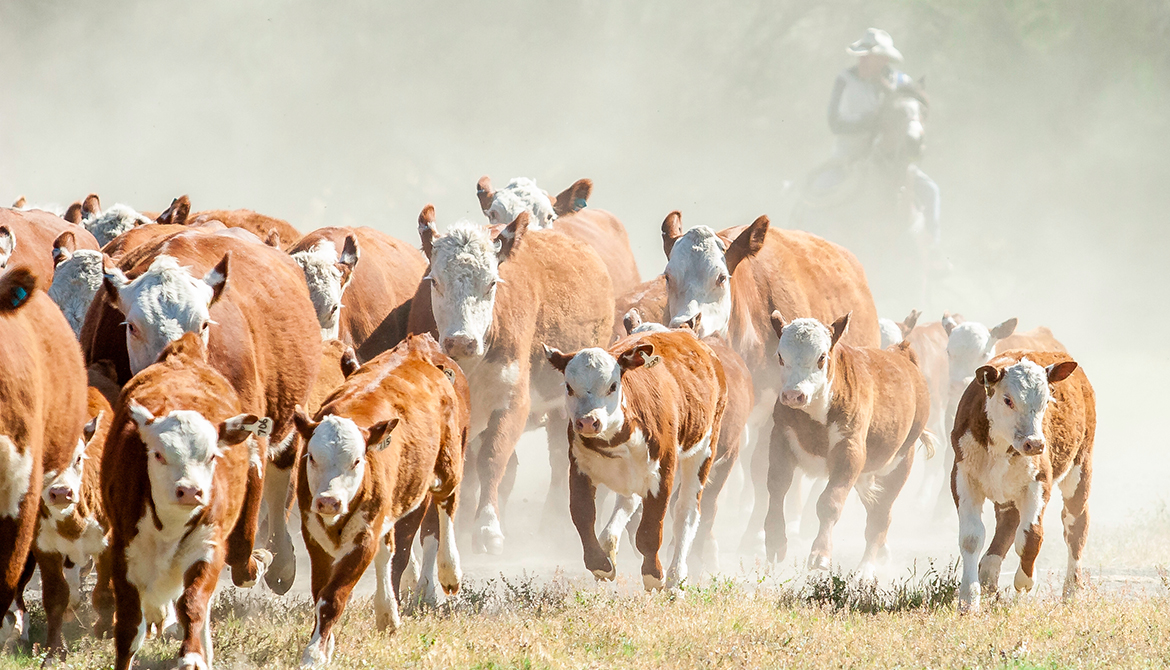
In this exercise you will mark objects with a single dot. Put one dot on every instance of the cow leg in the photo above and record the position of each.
(14, 555)
(845, 461)
(706, 548)
(499, 446)
(781, 470)
(283, 570)
(18, 608)
(878, 504)
(249, 564)
(756, 470)
(470, 485)
(1074, 489)
(624, 509)
(969, 502)
(129, 624)
(194, 613)
(555, 504)
(385, 604)
(653, 519)
(103, 595)
(55, 594)
(692, 472)
(1007, 520)
(449, 571)
(583, 509)
(1030, 534)
(333, 595)
(428, 578)
(507, 485)
(405, 530)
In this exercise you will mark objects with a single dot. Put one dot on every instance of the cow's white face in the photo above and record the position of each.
(699, 282)
(107, 225)
(1016, 405)
(181, 448)
(464, 276)
(593, 393)
(336, 460)
(76, 279)
(162, 304)
(804, 352)
(521, 195)
(969, 346)
(327, 273)
(61, 491)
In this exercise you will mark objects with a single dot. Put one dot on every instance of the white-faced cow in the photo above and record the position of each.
(77, 276)
(107, 225)
(27, 238)
(182, 482)
(853, 414)
(493, 295)
(387, 442)
(42, 395)
(1025, 423)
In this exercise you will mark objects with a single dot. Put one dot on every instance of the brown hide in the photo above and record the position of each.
(35, 232)
(140, 236)
(253, 222)
(329, 376)
(1037, 339)
(606, 234)
(649, 298)
(43, 396)
(385, 277)
(929, 342)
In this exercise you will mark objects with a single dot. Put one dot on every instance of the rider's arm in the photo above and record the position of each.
(841, 126)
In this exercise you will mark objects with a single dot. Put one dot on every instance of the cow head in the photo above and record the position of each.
(806, 357)
(336, 453)
(970, 345)
(111, 223)
(328, 274)
(520, 195)
(182, 447)
(698, 271)
(465, 273)
(163, 303)
(7, 245)
(1017, 398)
(593, 385)
(77, 276)
(61, 491)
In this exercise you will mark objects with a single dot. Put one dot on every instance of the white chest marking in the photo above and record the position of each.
(813, 466)
(994, 473)
(626, 469)
(156, 561)
(356, 524)
(15, 472)
(90, 543)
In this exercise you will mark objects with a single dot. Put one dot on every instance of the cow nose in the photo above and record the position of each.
(1032, 446)
(794, 398)
(328, 505)
(61, 495)
(188, 495)
(459, 345)
(588, 425)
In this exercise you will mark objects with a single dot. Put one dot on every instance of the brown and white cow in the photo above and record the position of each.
(853, 414)
(107, 225)
(182, 482)
(732, 431)
(77, 276)
(371, 290)
(1025, 423)
(494, 294)
(27, 237)
(259, 327)
(387, 442)
(569, 214)
(647, 298)
(72, 524)
(42, 393)
(260, 225)
(736, 278)
(641, 413)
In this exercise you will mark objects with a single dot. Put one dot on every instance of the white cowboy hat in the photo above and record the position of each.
(875, 41)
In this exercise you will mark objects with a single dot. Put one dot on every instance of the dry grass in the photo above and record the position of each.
(826, 622)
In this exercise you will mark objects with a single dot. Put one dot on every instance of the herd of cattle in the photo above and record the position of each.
(172, 385)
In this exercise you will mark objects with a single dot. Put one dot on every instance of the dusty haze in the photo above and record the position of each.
(1048, 136)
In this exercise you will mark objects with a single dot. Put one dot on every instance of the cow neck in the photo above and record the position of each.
(743, 333)
(842, 383)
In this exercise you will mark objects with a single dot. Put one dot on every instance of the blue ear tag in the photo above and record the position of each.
(579, 203)
(19, 295)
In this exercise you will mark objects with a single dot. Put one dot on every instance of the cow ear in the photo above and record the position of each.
(19, 203)
(7, 244)
(350, 253)
(139, 414)
(637, 356)
(91, 206)
(349, 362)
(273, 238)
(113, 280)
(949, 323)
(694, 323)
(426, 229)
(73, 214)
(1058, 372)
(509, 238)
(304, 423)
(217, 277)
(778, 323)
(177, 213)
(1004, 329)
(748, 243)
(380, 434)
(908, 324)
(16, 286)
(63, 248)
(631, 320)
(91, 426)
(237, 429)
(838, 328)
(557, 358)
(483, 191)
(988, 375)
(573, 199)
(671, 231)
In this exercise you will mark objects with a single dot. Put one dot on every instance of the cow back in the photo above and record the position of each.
(35, 232)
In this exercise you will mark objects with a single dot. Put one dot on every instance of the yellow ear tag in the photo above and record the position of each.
(653, 360)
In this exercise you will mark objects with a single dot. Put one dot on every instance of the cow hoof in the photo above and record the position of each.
(753, 544)
(605, 575)
(192, 662)
(652, 583)
(867, 571)
(1023, 581)
(449, 582)
(408, 583)
(969, 596)
(819, 562)
(280, 579)
(316, 655)
(989, 569)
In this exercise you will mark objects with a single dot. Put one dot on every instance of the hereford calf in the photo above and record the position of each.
(1025, 423)
(644, 411)
(42, 396)
(182, 481)
(107, 225)
(390, 437)
(853, 414)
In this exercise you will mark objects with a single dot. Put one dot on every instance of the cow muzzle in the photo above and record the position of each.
(61, 496)
(186, 494)
(1031, 446)
(327, 505)
(587, 426)
(794, 398)
(462, 345)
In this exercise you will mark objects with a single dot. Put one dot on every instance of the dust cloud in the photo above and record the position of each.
(1048, 136)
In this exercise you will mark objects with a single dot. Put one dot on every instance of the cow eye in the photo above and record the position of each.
(203, 328)
(1008, 401)
(131, 329)
(312, 461)
(356, 462)
(612, 388)
(159, 457)
(569, 390)
(721, 280)
(491, 287)
(781, 359)
(821, 362)
(435, 285)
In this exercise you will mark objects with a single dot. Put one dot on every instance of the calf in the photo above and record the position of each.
(851, 413)
(1025, 423)
(383, 444)
(182, 481)
(77, 276)
(493, 295)
(42, 393)
(376, 289)
(644, 411)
